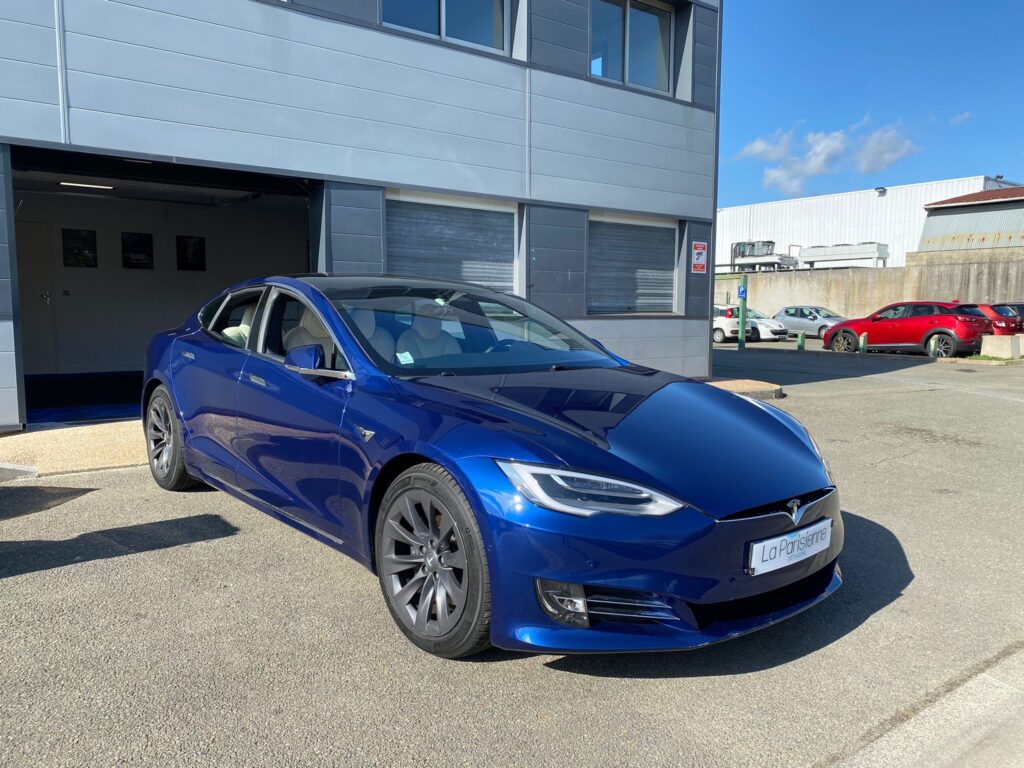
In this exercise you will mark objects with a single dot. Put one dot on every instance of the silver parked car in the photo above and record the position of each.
(813, 321)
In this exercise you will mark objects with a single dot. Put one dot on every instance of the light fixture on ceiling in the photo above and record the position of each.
(84, 186)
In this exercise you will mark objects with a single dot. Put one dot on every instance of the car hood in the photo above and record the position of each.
(699, 443)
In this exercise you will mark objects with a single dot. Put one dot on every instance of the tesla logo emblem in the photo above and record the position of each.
(794, 511)
(366, 434)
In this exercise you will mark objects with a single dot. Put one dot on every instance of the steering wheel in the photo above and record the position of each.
(502, 346)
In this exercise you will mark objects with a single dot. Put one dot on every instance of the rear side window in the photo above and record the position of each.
(207, 313)
(921, 310)
(234, 323)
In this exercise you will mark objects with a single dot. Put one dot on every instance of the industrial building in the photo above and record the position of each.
(154, 151)
(871, 227)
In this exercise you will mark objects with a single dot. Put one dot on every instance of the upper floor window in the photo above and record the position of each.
(631, 41)
(482, 23)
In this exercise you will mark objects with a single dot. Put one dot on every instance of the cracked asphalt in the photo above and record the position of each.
(141, 627)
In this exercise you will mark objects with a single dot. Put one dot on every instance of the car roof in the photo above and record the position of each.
(324, 282)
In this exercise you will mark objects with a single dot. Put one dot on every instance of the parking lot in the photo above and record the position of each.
(142, 627)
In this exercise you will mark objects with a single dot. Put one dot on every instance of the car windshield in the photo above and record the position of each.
(425, 331)
(753, 314)
(825, 312)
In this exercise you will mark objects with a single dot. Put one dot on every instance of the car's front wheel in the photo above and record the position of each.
(164, 443)
(822, 331)
(755, 334)
(844, 341)
(719, 336)
(431, 563)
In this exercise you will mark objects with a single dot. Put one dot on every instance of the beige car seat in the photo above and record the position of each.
(239, 334)
(380, 340)
(426, 339)
(309, 331)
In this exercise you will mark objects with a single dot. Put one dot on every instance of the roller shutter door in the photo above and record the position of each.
(469, 244)
(630, 268)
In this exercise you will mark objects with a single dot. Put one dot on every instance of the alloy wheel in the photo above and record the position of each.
(944, 346)
(844, 343)
(159, 436)
(423, 562)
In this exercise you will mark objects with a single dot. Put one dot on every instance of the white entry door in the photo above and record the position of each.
(37, 266)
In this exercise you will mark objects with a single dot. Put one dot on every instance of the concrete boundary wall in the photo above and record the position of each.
(858, 291)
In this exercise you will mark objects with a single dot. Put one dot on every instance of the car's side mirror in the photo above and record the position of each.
(875, 318)
(310, 360)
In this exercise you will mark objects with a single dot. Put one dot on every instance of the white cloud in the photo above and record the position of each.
(883, 148)
(824, 150)
(960, 119)
(862, 123)
(771, 149)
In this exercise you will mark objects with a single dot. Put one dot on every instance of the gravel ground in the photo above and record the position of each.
(147, 628)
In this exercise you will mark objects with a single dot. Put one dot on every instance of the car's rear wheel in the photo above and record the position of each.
(164, 443)
(719, 336)
(943, 345)
(822, 331)
(844, 341)
(431, 563)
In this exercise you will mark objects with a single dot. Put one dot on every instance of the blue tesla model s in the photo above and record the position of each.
(509, 480)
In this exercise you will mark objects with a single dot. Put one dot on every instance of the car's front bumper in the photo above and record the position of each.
(692, 566)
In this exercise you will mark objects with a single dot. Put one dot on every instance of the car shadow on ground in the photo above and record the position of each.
(20, 500)
(792, 368)
(21, 557)
(875, 573)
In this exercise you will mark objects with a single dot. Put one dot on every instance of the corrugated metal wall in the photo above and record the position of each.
(896, 219)
(979, 226)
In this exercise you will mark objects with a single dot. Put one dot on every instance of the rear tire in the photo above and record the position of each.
(945, 345)
(844, 341)
(719, 336)
(431, 564)
(164, 444)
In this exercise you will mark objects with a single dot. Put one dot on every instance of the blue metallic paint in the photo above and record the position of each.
(293, 449)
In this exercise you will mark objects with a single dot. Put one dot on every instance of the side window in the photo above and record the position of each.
(922, 310)
(894, 313)
(234, 324)
(207, 313)
(792, 312)
(289, 324)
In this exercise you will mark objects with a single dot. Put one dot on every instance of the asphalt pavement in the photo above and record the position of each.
(142, 627)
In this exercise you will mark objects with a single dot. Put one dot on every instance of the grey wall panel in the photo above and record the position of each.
(29, 85)
(560, 35)
(355, 228)
(705, 56)
(363, 11)
(698, 287)
(610, 148)
(253, 84)
(12, 401)
(557, 243)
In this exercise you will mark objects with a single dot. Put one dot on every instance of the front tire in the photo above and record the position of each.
(431, 564)
(755, 334)
(844, 341)
(164, 444)
(822, 331)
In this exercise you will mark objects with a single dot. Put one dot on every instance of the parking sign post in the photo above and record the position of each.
(742, 294)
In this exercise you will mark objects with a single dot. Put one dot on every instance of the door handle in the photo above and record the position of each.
(188, 355)
(259, 381)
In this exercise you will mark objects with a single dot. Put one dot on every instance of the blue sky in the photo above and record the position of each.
(823, 96)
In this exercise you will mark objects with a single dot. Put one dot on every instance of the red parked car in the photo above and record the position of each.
(909, 326)
(1006, 318)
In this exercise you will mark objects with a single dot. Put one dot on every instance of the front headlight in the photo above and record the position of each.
(580, 494)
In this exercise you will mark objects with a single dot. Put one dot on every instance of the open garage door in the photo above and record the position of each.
(111, 251)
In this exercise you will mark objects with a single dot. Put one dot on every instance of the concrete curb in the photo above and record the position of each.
(14, 471)
(966, 361)
(758, 390)
(826, 353)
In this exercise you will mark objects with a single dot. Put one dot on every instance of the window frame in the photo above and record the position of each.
(227, 299)
(627, 5)
(264, 316)
(506, 43)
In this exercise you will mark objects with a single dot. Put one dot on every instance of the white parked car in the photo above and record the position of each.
(765, 328)
(726, 324)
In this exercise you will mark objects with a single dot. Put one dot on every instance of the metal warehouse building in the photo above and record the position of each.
(893, 216)
(154, 151)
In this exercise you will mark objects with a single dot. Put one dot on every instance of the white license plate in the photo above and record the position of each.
(778, 552)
